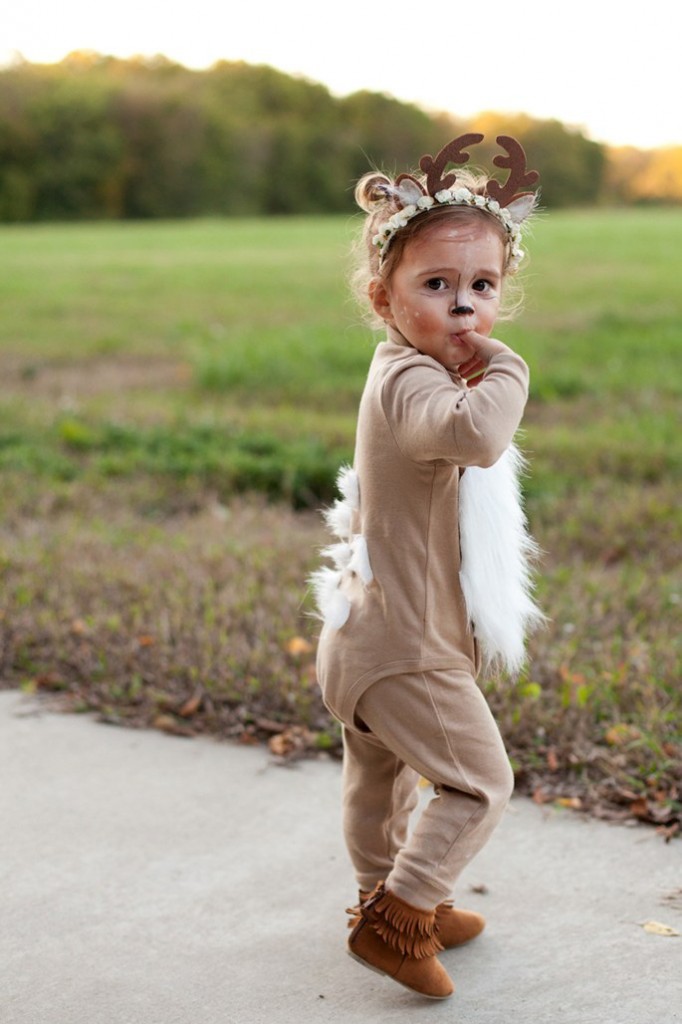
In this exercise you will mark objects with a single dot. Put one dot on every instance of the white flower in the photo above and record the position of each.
(398, 220)
(460, 196)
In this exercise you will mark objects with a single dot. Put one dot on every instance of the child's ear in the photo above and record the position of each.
(380, 298)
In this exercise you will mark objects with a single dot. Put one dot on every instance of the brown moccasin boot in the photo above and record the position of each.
(393, 938)
(453, 927)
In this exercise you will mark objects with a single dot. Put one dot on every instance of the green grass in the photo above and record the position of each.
(165, 288)
(152, 372)
(254, 318)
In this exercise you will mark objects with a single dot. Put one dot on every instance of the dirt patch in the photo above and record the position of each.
(90, 378)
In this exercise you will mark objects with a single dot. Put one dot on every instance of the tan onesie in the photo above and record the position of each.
(418, 425)
(397, 658)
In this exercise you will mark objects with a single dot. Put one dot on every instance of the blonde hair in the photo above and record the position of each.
(375, 194)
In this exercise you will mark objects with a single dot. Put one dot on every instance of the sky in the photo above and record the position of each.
(610, 69)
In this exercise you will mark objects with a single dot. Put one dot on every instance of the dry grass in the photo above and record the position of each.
(159, 606)
(133, 601)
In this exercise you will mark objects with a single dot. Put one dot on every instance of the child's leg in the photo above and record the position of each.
(379, 794)
(440, 724)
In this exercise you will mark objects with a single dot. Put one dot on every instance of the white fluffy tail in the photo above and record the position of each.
(497, 552)
(349, 554)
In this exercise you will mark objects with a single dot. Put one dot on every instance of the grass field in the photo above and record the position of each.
(172, 392)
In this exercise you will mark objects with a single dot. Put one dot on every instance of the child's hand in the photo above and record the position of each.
(484, 349)
(472, 371)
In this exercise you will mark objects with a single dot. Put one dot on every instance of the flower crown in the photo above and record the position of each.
(502, 201)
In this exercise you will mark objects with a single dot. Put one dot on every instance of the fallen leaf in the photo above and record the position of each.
(640, 808)
(248, 739)
(568, 676)
(146, 640)
(552, 760)
(620, 734)
(298, 645)
(50, 681)
(166, 723)
(656, 928)
(269, 725)
(291, 742)
(191, 706)
(573, 802)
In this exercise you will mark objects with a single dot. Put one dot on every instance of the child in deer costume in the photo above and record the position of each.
(430, 575)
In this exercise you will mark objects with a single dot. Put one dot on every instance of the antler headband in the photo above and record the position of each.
(502, 201)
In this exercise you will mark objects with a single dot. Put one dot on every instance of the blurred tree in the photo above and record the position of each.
(379, 131)
(17, 148)
(95, 136)
(163, 135)
(623, 165)
(287, 151)
(76, 153)
(651, 176)
(660, 177)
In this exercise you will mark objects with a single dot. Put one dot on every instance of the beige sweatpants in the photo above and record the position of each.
(436, 725)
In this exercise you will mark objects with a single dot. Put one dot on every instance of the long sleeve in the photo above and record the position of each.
(432, 417)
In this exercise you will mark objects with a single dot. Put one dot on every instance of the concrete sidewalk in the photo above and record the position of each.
(153, 880)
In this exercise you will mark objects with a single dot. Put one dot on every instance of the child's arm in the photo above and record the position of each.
(432, 417)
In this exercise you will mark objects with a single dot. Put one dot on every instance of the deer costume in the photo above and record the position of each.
(430, 579)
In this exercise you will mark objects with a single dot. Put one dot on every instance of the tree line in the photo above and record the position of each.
(99, 137)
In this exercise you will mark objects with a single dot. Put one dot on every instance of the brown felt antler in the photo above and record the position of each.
(515, 161)
(453, 153)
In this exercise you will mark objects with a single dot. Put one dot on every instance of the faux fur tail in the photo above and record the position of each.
(349, 554)
(497, 553)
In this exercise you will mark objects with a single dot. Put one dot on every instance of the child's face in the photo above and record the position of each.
(456, 265)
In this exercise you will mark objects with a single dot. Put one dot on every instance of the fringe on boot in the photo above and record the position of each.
(454, 927)
(394, 938)
(405, 928)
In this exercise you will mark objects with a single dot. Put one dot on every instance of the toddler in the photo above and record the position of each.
(430, 576)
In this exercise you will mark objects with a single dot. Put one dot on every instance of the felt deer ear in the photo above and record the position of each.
(521, 207)
(409, 190)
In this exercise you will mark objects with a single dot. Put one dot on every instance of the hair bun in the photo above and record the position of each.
(374, 190)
